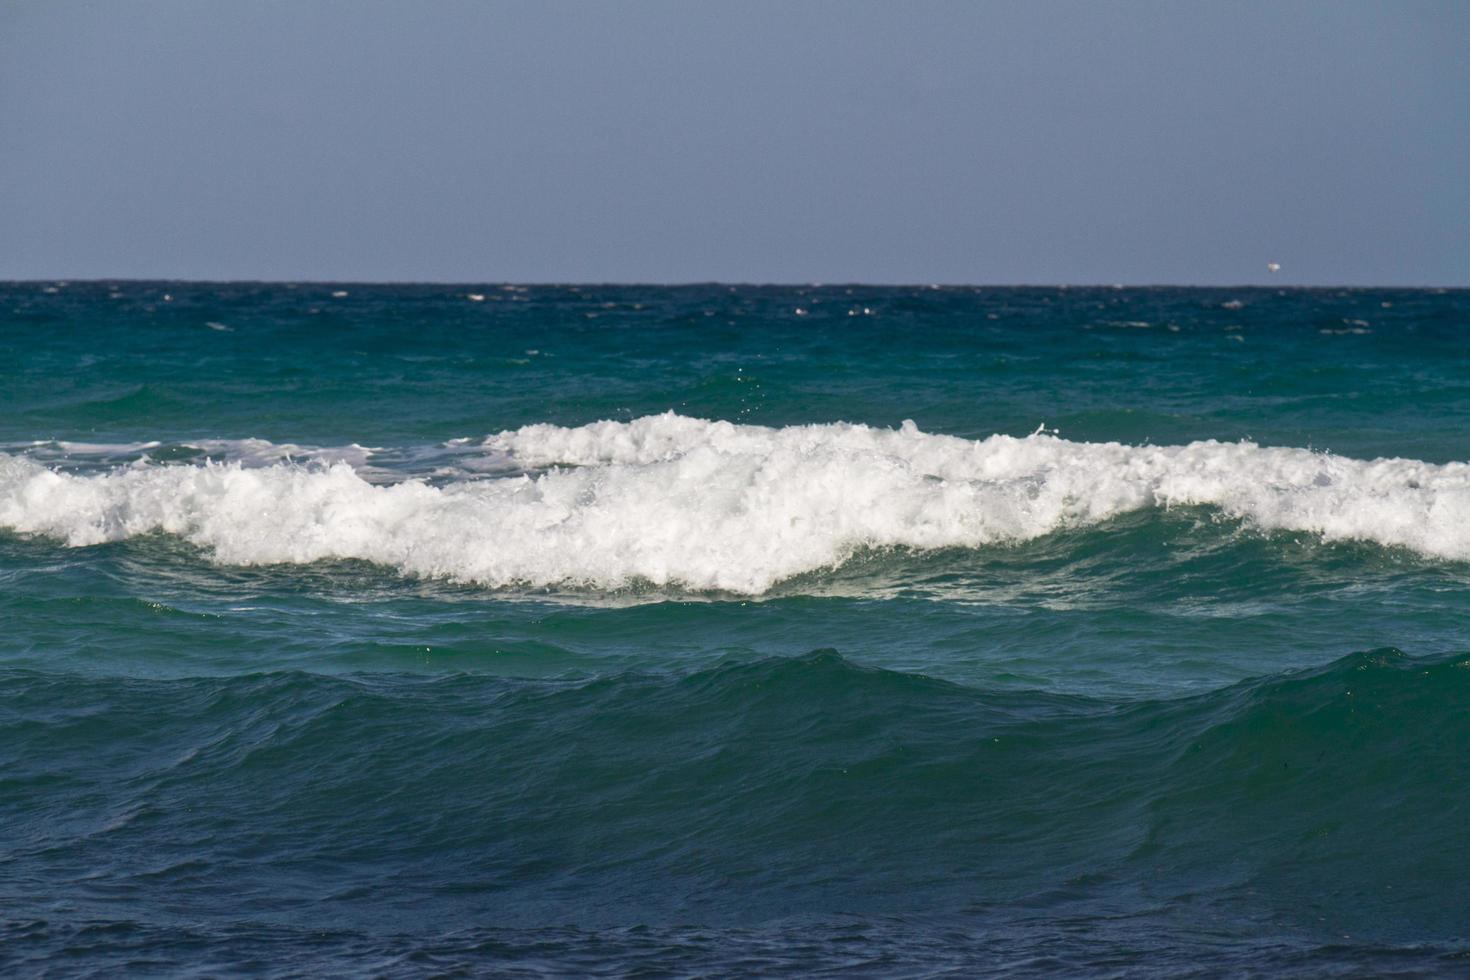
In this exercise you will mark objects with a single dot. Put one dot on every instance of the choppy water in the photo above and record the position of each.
(569, 630)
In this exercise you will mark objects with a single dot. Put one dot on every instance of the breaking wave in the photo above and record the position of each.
(676, 501)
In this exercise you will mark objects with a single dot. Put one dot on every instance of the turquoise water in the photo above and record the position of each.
(566, 630)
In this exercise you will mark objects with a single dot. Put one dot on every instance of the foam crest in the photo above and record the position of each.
(713, 505)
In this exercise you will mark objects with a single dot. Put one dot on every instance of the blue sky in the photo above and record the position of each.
(1037, 142)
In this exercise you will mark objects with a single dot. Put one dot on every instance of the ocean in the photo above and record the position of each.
(528, 630)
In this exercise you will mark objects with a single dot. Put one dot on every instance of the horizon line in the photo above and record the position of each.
(685, 284)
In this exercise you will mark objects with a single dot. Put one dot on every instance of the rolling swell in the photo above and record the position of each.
(301, 673)
(741, 795)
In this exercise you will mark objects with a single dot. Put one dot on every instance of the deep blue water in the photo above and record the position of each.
(619, 630)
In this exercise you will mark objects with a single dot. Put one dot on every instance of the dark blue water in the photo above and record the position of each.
(413, 630)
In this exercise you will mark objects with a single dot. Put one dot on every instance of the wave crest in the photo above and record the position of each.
(704, 504)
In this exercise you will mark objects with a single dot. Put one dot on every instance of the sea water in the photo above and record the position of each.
(723, 629)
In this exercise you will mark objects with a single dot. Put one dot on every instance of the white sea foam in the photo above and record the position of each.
(263, 452)
(247, 452)
(714, 505)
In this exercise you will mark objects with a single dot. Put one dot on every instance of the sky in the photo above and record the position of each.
(749, 141)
